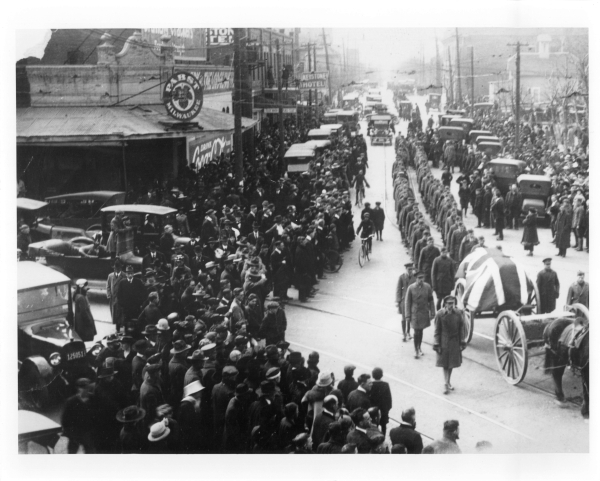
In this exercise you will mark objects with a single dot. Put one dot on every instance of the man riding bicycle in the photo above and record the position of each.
(359, 182)
(366, 229)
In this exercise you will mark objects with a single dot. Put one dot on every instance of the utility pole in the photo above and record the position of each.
(309, 90)
(327, 63)
(458, 71)
(472, 84)
(518, 97)
(438, 77)
(316, 90)
(237, 108)
(451, 79)
(279, 101)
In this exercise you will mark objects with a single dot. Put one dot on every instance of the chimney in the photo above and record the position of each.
(106, 51)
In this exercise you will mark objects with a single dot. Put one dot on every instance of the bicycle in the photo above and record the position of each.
(360, 195)
(363, 252)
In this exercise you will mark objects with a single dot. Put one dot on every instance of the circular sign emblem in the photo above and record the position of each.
(183, 96)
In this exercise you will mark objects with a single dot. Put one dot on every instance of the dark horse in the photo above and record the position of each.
(567, 344)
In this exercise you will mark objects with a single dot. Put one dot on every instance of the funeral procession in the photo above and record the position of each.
(277, 240)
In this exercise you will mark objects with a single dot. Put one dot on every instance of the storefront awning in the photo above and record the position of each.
(66, 125)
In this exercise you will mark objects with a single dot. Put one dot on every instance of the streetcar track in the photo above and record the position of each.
(425, 391)
(479, 363)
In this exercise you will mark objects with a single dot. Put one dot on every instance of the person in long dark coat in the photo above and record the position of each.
(548, 287)
(448, 339)
(302, 266)
(442, 276)
(419, 309)
(530, 235)
(563, 228)
(131, 294)
(497, 211)
(428, 254)
(405, 280)
(83, 323)
(378, 218)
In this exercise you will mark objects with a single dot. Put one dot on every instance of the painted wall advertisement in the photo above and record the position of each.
(220, 36)
(205, 149)
(214, 80)
(189, 43)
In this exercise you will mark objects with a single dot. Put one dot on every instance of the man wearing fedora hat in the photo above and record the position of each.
(194, 373)
(160, 439)
(189, 417)
(109, 397)
(151, 392)
(448, 339)
(131, 294)
(131, 439)
(405, 280)
(221, 395)
(153, 254)
(112, 290)
(176, 371)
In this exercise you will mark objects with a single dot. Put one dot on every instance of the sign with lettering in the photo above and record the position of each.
(220, 36)
(214, 80)
(313, 80)
(189, 43)
(183, 96)
(286, 110)
(204, 149)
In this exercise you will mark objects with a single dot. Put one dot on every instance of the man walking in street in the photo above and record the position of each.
(378, 217)
(406, 433)
(381, 397)
(579, 291)
(442, 276)
(405, 280)
(419, 309)
(548, 287)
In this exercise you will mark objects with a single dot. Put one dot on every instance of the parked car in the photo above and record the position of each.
(51, 355)
(81, 209)
(38, 434)
(535, 190)
(506, 172)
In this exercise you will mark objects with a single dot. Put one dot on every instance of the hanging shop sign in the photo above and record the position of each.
(205, 149)
(183, 96)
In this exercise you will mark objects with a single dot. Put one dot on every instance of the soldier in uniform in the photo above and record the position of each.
(548, 287)
(442, 276)
(428, 255)
(404, 281)
(419, 309)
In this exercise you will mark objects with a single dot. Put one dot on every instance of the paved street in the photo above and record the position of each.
(353, 319)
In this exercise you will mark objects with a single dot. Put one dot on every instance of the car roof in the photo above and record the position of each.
(462, 119)
(141, 209)
(533, 178)
(319, 132)
(30, 204)
(507, 162)
(318, 143)
(35, 423)
(381, 117)
(32, 274)
(301, 150)
(92, 195)
(330, 127)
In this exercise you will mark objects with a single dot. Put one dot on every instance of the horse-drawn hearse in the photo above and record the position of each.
(489, 282)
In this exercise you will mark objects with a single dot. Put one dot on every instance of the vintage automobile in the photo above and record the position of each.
(487, 138)
(535, 190)
(298, 157)
(463, 122)
(335, 130)
(405, 108)
(351, 101)
(32, 212)
(319, 145)
(51, 355)
(38, 434)
(444, 120)
(483, 106)
(506, 172)
(320, 134)
(474, 134)
(329, 117)
(381, 131)
(81, 209)
(492, 149)
(434, 102)
(380, 108)
(451, 133)
(349, 118)
(64, 256)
